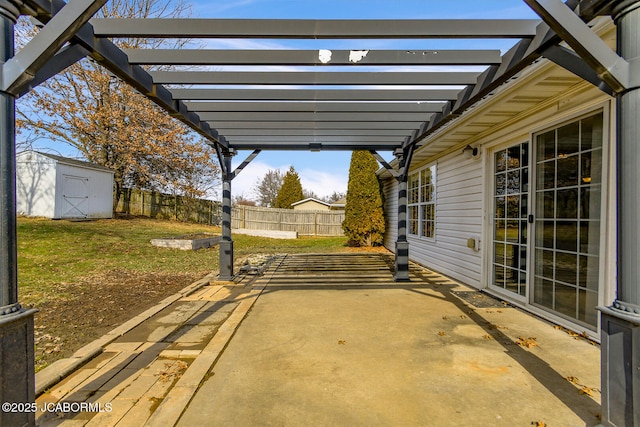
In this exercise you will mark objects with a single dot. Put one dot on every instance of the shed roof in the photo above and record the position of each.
(340, 203)
(69, 161)
(310, 199)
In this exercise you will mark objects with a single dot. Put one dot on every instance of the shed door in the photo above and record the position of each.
(75, 196)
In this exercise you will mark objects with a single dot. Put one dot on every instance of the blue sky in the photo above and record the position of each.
(361, 9)
(327, 172)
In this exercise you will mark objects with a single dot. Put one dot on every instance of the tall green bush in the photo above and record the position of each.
(291, 190)
(364, 213)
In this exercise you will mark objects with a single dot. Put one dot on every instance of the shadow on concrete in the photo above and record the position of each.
(131, 362)
(354, 271)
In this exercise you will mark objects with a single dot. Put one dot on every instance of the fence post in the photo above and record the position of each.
(315, 224)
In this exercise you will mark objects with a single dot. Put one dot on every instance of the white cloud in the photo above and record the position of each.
(244, 182)
(323, 183)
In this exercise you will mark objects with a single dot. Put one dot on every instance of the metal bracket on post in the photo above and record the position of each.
(384, 163)
(608, 65)
(18, 70)
(571, 61)
(244, 164)
(404, 155)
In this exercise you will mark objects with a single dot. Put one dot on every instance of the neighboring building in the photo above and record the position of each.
(338, 205)
(529, 217)
(311, 204)
(57, 187)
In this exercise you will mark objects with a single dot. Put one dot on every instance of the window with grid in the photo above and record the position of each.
(510, 211)
(422, 202)
(567, 234)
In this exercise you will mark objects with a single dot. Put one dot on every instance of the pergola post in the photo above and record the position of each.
(226, 244)
(402, 244)
(17, 374)
(621, 321)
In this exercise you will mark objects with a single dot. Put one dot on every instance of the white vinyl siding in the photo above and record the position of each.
(390, 190)
(458, 218)
(464, 212)
(54, 188)
(458, 207)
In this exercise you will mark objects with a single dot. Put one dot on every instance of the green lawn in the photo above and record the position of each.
(87, 277)
(51, 252)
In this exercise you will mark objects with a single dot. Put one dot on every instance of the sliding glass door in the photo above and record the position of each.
(564, 222)
(567, 225)
(511, 178)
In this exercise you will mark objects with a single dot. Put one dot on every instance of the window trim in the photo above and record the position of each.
(418, 205)
(602, 213)
(493, 172)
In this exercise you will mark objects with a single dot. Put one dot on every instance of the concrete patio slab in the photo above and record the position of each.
(333, 340)
(339, 351)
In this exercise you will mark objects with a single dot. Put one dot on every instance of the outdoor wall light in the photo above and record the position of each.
(471, 152)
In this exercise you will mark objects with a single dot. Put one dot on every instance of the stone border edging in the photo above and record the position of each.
(272, 234)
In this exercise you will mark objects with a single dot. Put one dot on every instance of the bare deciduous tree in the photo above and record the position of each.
(266, 189)
(113, 125)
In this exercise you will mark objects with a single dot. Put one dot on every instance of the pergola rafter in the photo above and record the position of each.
(311, 57)
(314, 106)
(382, 105)
(266, 90)
(306, 78)
(371, 95)
(316, 29)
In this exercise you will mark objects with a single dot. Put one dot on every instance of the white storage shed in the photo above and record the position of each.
(58, 187)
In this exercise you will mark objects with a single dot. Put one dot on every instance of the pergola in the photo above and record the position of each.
(387, 107)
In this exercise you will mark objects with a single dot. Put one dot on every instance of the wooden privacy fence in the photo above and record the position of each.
(167, 206)
(308, 223)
